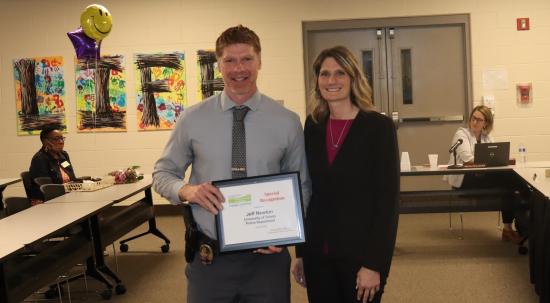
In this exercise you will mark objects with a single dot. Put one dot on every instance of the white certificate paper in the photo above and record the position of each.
(260, 211)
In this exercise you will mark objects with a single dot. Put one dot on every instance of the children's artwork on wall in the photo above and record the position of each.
(210, 78)
(100, 94)
(161, 89)
(39, 93)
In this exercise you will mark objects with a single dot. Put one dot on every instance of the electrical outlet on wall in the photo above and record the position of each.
(489, 101)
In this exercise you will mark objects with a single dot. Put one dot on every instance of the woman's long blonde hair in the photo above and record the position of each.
(361, 92)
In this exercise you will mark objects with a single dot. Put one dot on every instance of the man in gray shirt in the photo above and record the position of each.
(203, 138)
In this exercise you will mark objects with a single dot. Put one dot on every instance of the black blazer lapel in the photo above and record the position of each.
(322, 144)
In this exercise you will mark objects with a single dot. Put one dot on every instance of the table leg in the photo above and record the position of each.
(3, 284)
(100, 269)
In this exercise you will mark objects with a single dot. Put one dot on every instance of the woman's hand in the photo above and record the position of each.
(298, 272)
(269, 250)
(368, 283)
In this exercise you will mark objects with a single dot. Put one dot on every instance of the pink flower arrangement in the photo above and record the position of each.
(128, 175)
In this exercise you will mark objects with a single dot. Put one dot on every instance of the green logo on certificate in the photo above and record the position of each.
(241, 199)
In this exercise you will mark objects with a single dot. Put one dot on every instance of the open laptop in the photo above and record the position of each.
(492, 154)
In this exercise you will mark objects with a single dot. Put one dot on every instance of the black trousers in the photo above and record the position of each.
(240, 277)
(501, 179)
(333, 280)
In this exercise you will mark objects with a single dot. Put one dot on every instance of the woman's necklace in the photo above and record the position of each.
(335, 145)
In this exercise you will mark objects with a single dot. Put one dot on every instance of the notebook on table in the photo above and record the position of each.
(492, 154)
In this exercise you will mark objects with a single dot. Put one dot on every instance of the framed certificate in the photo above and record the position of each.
(260, 211)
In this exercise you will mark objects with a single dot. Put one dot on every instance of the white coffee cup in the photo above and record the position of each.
(405, 162)
(433, 161)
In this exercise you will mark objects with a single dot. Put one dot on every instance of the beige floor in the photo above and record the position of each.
(430, 265)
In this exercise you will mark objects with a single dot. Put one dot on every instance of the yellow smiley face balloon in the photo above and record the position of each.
(96, 21)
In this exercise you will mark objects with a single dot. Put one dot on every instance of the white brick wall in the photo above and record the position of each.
(37, 28)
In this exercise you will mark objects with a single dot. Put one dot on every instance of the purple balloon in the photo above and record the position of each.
(84, 46)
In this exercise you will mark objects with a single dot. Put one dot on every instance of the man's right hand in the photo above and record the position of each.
(206, 195)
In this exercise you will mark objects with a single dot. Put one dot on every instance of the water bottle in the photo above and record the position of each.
(522, 156)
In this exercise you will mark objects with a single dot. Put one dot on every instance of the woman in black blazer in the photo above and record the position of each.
(351, 221)
(50, 161)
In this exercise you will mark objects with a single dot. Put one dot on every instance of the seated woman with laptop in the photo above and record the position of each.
(479, 126)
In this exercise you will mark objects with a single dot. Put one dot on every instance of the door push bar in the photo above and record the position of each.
(457, 118)
(396, 120)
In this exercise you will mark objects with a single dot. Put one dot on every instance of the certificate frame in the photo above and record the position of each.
(239, 225)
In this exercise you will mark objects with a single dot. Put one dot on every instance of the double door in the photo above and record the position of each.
(418, 69)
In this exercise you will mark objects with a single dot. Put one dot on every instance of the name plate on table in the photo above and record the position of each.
(260, 211)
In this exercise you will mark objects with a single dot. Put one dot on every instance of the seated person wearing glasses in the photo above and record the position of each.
(50, 161)
(479, 127)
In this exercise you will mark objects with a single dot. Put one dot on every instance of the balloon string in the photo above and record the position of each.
(96, 76)
(95, 91)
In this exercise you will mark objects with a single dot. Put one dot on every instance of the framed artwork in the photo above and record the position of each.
(210, 78)
(100, 94)
(39, 93)
(161, 89)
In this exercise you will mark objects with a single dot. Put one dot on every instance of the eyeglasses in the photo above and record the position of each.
(476, 119)
(57, 139)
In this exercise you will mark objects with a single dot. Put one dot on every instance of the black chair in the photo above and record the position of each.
(43, 180)
(16, 204)
(27, 182)
(51, 191)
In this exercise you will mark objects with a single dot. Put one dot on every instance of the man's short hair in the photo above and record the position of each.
(237, 34)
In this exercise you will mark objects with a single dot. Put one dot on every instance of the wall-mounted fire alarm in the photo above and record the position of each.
(523, 24)
(524, 93)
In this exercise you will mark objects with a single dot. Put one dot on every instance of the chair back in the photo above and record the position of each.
(16, 204)
(27, 183)
(43, 180)
(51, 191)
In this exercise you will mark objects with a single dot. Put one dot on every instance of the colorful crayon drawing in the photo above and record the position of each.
(161, 89)
(209, 77)
(100, 94)
(39, 93)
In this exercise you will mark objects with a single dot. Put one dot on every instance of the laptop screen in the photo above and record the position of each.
(492, 154)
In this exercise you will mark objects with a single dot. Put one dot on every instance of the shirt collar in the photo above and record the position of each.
(252, 103)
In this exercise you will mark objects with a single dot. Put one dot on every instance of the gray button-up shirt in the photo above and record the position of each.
(202, 138)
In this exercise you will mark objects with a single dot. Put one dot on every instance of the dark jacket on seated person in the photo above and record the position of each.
(44, 165)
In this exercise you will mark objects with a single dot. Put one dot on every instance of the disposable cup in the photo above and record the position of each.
(433, 161)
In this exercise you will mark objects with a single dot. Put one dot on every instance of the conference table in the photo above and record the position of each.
(539, 232)
(27, 260)
(20, 275)
(453, 200)
(4, 182)
(88, 225)
(533, 175)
